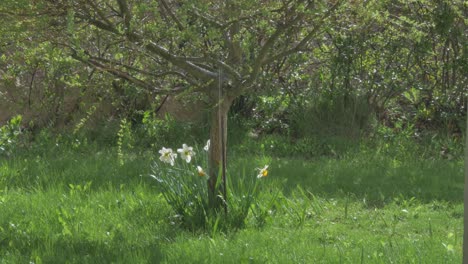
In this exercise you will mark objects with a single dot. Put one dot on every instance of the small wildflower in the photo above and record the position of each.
(207, 146)
(167, 156)
(201, 172)
(186, 153)
(263, 172)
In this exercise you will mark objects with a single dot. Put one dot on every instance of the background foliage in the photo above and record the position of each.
(390, 63)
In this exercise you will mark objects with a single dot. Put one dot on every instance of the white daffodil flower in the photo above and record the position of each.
(167, 156)
(186, 153)
(207, 146)
(201, 172)
(263, 172)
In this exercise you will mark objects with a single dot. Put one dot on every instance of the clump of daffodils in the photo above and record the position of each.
(187, 153)
(188, 194)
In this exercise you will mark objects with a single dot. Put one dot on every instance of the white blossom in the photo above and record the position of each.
(186, 153)
(167, 156)
(263, 172)
(201, 172)
(207, 146)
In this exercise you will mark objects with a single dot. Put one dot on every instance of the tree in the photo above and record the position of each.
(215, 50)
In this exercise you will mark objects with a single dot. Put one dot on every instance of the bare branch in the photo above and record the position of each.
(214, 23)
(99, 24)
(99, 12)
(227, 68)
(210, 20)
(220, 64)
(162, 52)
(172, 15)
(116, 72)
(123, 75)
(125, 13)
(267, 47)
(140, 71)
(112, 8)
(191, 68)
(307, 38)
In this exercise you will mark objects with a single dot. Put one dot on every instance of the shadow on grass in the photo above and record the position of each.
(375, 179)
(76, 250)
(65, 167)
(364, 175)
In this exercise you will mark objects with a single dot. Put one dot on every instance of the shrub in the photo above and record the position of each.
(9, 135)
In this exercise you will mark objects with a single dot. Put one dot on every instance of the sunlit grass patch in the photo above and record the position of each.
(369, 236)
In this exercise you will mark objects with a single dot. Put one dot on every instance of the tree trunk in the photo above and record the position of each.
(217, 151)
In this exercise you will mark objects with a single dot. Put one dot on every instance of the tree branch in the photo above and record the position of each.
(99, 12)
(191, 68)
(267, 47)
(162, 52)
(137, 70)
(123, 75)
(125, 13)
(209, 20)
(140, 71)
(307, 38)
(215, 23)
(99, 24)
(220, 64)
(172, 15)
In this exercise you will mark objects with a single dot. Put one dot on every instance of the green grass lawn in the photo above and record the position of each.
(78, 205)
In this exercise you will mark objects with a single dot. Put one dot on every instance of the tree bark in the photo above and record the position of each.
(217, 152)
